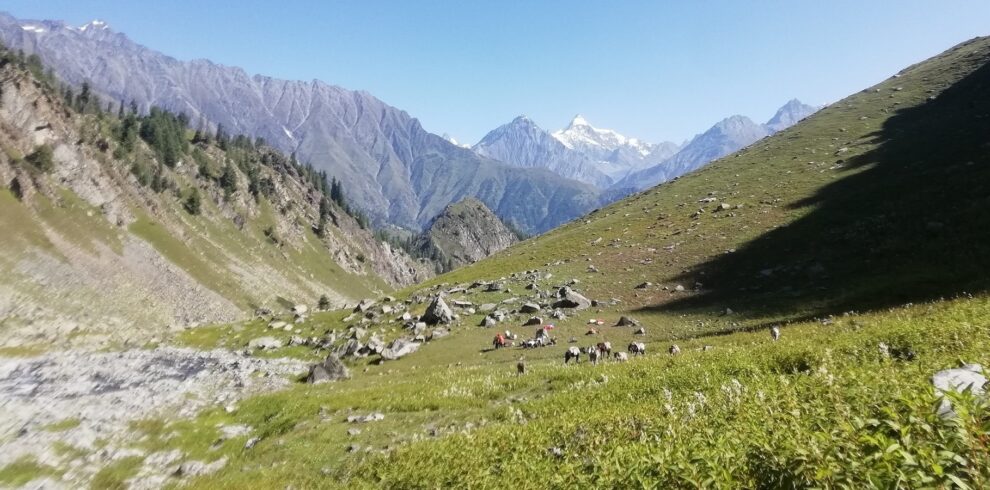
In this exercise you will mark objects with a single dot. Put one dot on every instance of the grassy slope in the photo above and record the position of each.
(872, 189)
(837, 229)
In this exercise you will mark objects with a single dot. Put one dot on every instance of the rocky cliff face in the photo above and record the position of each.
(466, 232)
(391, 167)
(90, 249)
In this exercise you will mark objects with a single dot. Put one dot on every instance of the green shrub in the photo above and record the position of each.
(42, 158)
(192, 203)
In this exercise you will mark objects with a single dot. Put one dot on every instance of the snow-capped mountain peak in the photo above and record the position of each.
(94, 24)
(454, 141)
(578, 120)
(33, 28)
(581, 135)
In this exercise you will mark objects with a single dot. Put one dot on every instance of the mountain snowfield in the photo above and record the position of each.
(619, 164)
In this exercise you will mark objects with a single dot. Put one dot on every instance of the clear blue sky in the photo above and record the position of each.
(651, 69)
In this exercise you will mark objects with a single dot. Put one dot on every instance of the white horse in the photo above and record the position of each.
(637, 348)
(572, 353)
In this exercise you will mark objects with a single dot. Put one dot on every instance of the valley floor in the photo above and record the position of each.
(841, 401)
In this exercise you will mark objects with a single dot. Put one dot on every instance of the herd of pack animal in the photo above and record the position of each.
(598, 352)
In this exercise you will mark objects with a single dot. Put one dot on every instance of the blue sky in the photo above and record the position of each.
(650, 69)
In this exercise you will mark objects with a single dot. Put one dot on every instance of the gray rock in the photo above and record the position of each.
(364, 305)
(265, 343)
(331, 369)
(376, 344)
(529, 308)
(571, 299)
(625, 321)
(970, 377)
(399, 348)
(438, 312)
(199, 468)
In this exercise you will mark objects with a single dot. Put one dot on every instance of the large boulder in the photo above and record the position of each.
(529, 308)
(399, 348)
(571, 299)
(957, 380)
(438, 312)
(349, 348)
(375, 344)
(364, 305)
(330, 369)
(626, 321)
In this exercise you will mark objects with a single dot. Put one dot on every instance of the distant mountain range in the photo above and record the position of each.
(392, 168)
(619, 164)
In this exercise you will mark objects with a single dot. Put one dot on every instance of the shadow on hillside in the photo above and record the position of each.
(913, 225)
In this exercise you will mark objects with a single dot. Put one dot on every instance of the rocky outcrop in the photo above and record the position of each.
(464, 233)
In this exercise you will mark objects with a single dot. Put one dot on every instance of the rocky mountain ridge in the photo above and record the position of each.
(397, 172)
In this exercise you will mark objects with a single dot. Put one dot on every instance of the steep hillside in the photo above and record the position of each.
(395, 171)
(120, 226)
(464, 233)
(726, 136)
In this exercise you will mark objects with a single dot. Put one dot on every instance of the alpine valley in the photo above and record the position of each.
(211, 279)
